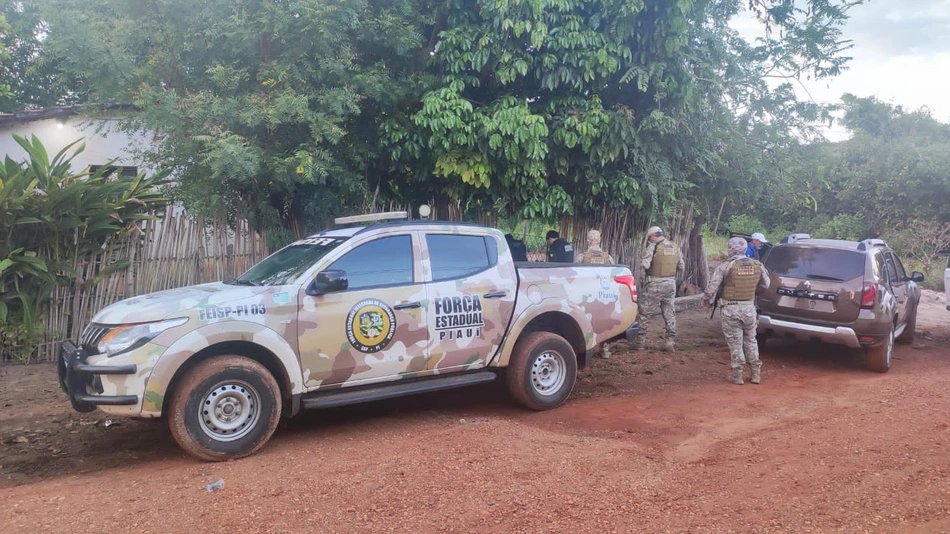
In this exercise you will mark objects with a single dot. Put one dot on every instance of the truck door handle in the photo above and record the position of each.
(407, 305)
(495, 295)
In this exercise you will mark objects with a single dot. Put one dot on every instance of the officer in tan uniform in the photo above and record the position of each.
(661, 260)
(739, 277)
(594, 253)
(597, 256)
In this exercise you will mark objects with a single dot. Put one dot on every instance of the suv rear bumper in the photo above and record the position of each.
(838, 335)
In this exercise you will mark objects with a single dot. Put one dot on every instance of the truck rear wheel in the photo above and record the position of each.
(226, 407)
(542, 370)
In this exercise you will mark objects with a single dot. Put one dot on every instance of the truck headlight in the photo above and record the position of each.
(124, 337)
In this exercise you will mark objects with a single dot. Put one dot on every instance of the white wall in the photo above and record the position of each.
(103, 143)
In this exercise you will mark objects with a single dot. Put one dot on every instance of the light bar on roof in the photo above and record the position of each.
(372, 217)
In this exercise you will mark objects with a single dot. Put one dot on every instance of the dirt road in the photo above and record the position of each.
(649, 442)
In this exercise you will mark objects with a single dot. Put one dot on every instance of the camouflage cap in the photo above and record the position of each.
(654, 230)
(736, 245)
(593, 237)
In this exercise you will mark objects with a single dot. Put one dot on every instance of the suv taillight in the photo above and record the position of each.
(868, 295)
(627, 280)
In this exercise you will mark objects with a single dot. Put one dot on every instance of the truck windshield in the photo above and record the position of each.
(290, 262)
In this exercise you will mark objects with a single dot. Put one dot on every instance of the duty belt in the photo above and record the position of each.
(659, 278)
(736, 302)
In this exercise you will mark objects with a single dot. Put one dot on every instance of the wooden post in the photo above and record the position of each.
(723, 205)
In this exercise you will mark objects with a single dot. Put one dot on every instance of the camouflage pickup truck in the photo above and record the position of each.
(348, 315)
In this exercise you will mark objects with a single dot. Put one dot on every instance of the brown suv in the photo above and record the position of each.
(841, 292)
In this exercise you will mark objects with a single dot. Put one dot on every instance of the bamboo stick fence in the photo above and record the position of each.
(174, 251)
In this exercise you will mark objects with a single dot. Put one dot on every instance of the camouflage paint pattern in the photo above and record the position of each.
(588, 294)
(216, 313)
(367, 335)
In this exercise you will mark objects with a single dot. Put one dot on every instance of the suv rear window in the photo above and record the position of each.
(815, 263)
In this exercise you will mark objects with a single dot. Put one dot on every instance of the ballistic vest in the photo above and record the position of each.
(741, 279)
(598, 257)
(665, 258)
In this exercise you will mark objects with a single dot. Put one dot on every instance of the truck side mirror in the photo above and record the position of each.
(329, 281)
(917, 276)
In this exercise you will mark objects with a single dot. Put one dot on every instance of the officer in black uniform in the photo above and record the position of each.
(519, 252)
(559, 250)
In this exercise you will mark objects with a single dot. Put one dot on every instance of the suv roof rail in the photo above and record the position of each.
(793, 238)
(869, 243)
(371, 217)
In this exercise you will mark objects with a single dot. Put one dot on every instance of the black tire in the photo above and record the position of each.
(910, 331)
(542, 370)
(226, 407)
(879, 357)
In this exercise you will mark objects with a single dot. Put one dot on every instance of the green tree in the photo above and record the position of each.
(31, 74)
(291, 111)
(575, 106)
(4, 55)
(269, 109)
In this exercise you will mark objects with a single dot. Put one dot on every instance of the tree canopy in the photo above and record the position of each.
(31, 76)
(292, 111)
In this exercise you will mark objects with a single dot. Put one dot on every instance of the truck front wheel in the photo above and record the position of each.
(226, 407)
(542, 370)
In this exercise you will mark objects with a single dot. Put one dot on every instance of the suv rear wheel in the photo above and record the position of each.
(910, 329)
(879, 357)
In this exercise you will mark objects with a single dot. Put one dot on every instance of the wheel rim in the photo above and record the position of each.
(229, 411)
(548, 373)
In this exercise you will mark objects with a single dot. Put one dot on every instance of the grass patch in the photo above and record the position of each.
(716, 246)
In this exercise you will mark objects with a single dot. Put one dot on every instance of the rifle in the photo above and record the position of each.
(715, 303)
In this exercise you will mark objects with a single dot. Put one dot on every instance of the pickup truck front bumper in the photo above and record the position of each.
(78, 379)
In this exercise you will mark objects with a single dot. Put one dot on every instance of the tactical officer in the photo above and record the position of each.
(594, 253)
(599, 256)
(739, 276)
(661, 260)
(519, 252)
(559, 250)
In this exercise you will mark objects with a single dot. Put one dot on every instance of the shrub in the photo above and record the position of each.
(745, 224)
(50, 217)
(843, 226)
(921, 241)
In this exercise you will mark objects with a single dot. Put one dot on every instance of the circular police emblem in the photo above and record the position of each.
(370, 325)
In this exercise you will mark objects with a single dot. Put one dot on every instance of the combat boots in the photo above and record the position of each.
(735, 376)
(668, 345)
(756, 374)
